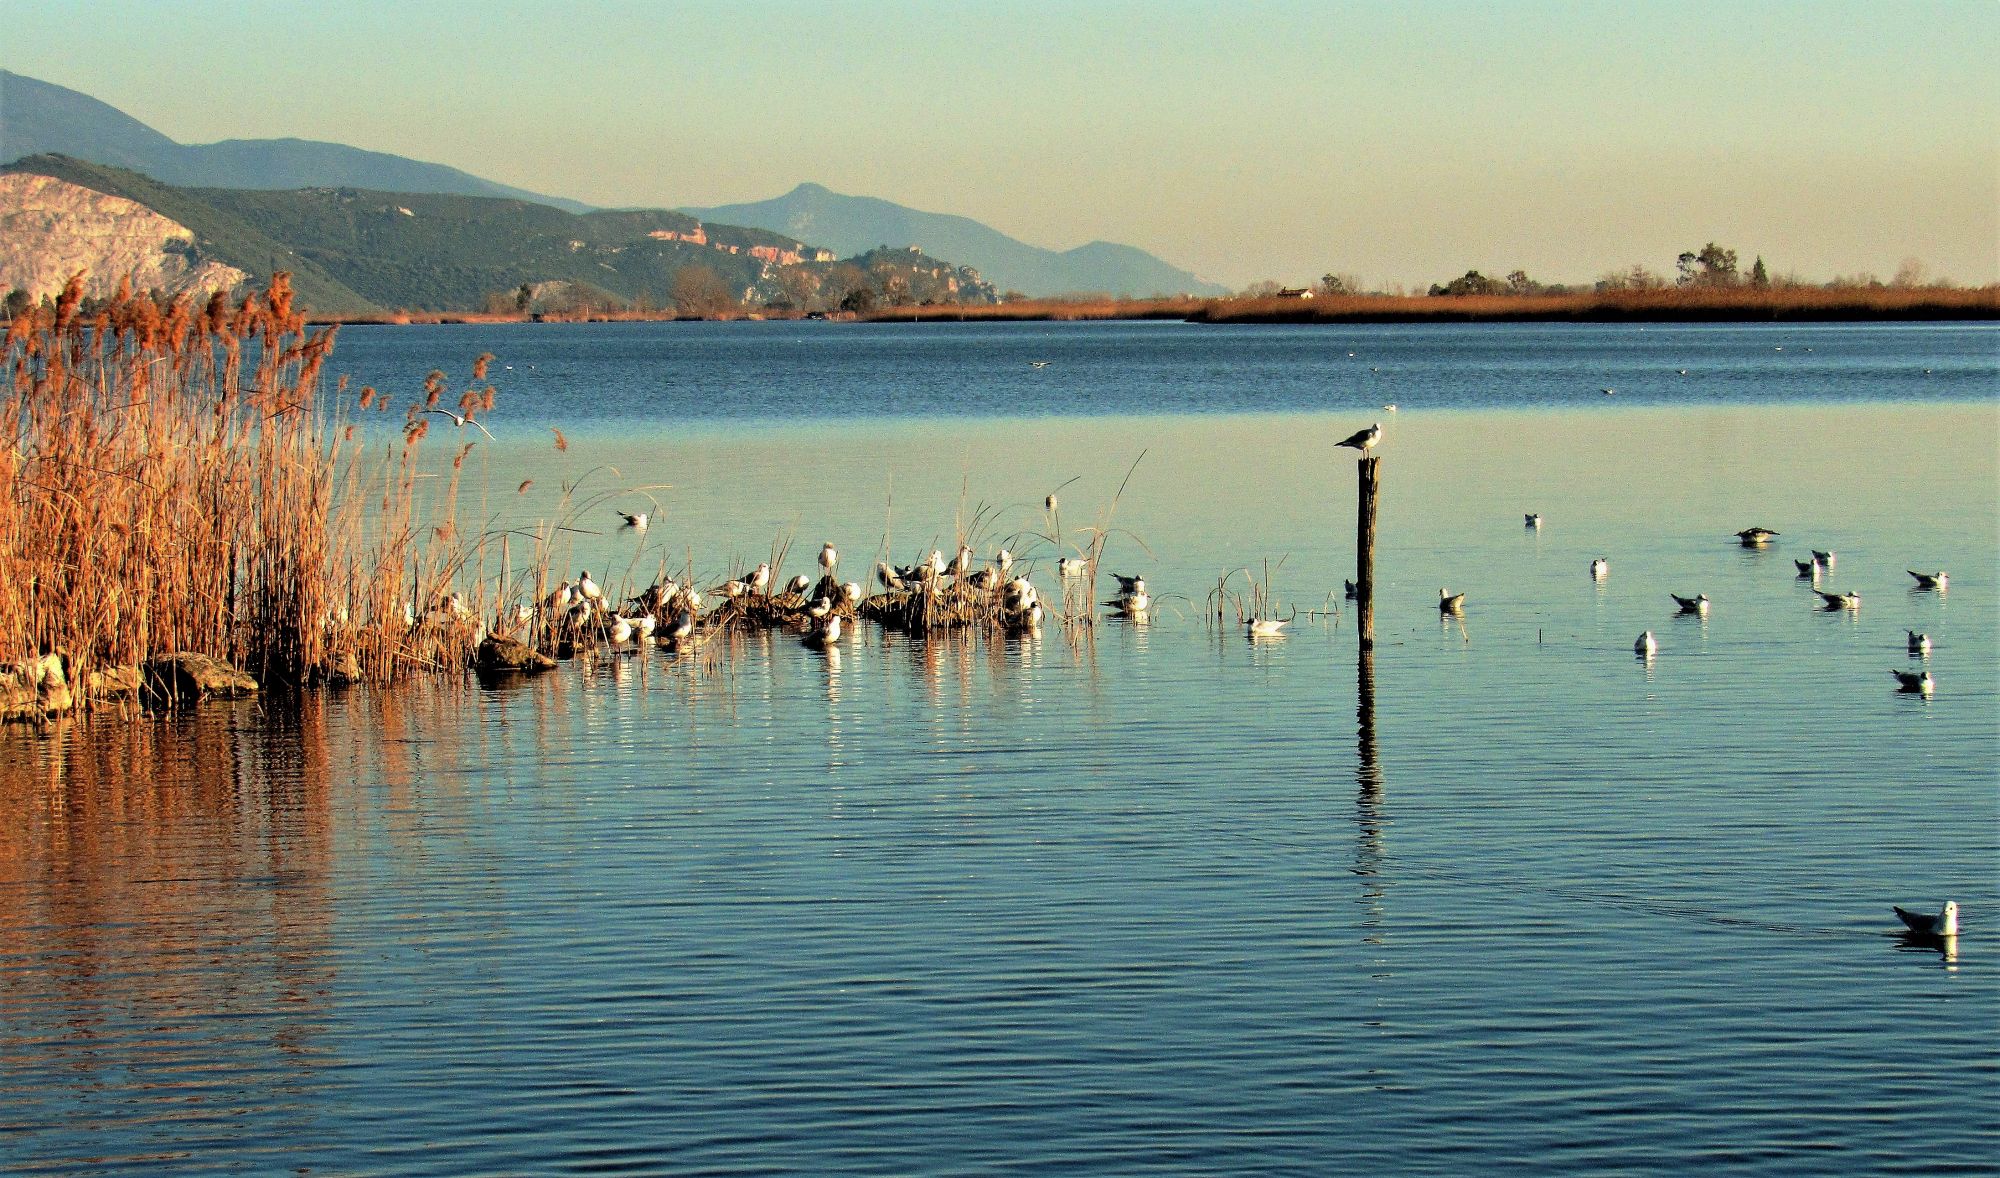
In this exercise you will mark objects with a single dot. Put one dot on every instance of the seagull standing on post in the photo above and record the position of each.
(1363, 440)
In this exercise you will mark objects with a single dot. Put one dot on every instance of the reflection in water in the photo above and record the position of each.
(171, 904)
(1368, 816)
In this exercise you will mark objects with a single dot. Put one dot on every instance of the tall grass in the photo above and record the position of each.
(173, 478)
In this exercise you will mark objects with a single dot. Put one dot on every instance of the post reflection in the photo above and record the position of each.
(1369, 819)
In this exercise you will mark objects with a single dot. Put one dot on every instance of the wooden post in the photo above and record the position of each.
(1370, 469)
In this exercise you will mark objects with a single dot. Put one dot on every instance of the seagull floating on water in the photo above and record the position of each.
(1266, 627)
(1600, 569)
(1129, 585)
(1698, 604)
(1914, 682)
(634, 520)
(1646, 646)
(1936, 580)
(1130, 603)
(1756, 537)
(1533, 519)
(824, 635)
(1808, 569)
(1919, 643)
(1841, 600)
(1363, 440)
(1944, 924)
(1038, 363)
(1350, 588)
(1450, 603)
(1072, 566)
(1824, 558)
(1390, 407)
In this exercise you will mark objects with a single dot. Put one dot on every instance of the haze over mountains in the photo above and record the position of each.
(38, 117)
(850, 224)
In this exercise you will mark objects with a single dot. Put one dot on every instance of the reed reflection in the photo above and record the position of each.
(171, 924)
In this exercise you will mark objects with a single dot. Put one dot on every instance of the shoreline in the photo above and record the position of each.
(1675, 305)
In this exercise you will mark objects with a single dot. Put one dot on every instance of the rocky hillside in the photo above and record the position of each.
(357, 252)
(50, 229)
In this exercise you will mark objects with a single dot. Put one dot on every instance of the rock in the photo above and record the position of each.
(345, 669)
(498, 655)
(35, 689)
(112, 683)
(185, 677)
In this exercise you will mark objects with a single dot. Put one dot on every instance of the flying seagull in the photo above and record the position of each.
(1914, 682)
(1936, 580)
(1363, 440)
(1944, 924)
(1755, 537)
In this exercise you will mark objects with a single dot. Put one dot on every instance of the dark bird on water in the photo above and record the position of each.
(1914, 682)
(1450, 603)
(1936, 580)
(1698, 604)
(1755, 537)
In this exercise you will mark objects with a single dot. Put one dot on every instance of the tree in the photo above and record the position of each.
(1713, 266)
(800, 285)
(1262, 290)
(699, 291)
(1472, 283)
(523, 297)
(1760, 277)
(859, 300)
(1910, 273)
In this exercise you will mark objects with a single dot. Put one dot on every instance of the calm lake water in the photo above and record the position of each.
(1153, 899)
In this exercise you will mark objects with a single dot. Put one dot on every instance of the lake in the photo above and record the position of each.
(1134, 898)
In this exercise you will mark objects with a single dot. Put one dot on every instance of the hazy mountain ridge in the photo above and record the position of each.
(852, 224)
(38, 117)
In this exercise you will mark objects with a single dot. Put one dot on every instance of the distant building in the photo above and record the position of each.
(1295, 292)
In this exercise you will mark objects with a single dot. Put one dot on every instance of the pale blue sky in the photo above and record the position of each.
(1403, 142)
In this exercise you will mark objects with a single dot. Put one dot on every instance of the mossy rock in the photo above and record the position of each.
(498, 655)
(185, 677)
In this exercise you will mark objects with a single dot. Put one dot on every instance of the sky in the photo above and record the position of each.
(1403, 143)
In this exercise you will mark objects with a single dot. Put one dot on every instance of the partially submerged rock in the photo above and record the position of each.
(35, 689)
(497, 655)
(185, 677)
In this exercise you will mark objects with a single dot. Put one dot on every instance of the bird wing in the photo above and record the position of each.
(1918, 922)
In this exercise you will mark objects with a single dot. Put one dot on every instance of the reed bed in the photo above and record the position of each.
(177, 480)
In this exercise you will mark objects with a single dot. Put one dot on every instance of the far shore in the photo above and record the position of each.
(1738, 304)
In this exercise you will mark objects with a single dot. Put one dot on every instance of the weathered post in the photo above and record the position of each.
(1370, 469)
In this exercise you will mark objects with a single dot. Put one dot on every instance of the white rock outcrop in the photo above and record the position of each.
(50, 229)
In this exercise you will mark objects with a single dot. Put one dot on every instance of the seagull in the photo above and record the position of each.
(588, 588)
(1450, 603)
(1824, 558)
(1266, 627)
(984, 579)
(1130, 603)
(850, 591)
(732, 589)
(937, 563)
(1127, 586)
(889, 577)
(823, 636)
(1004, 559)
(1646, 646)
(644, 625)
(760, 580)
(1038, 363)
(1363, 440)
(1049, 504)
(621, 630)
(961, 562)
(1391, 406)
(1936, 580)
(1610, 392)
(1755, 537)
(1808, 569)
(682, 628)
(559, 598)
(820, 608)
(1350, 588)
(1841, 600)
(798, 584)
(1919, 643)
(1072, 566)
(827, 557)
(635, 521)
(1600, 569)
(1944, 924)
(1913, 682)
(1697, 604)
(1532, 519)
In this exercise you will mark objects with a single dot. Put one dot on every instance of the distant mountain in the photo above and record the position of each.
(39, 117)
(852, 224)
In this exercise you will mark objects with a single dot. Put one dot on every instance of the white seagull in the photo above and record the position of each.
(1127, 586)
(1936, 580)
(1944, 924)
(635, 520)
(1914, 682)
(798, 584)
(828, 557)
(1841, 600)
(1532, 519)
(1919, 643)
(1363, 440)
(1451, 603)
(1647, 646)
(1600, 569)
(588, 588)
(1266, 627)
(1072, 566)
(760, 579)
(1808, 569)
(1698, 604)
